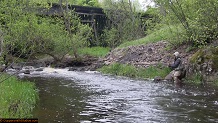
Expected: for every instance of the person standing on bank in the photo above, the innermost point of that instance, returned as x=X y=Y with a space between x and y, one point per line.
x=176 y=69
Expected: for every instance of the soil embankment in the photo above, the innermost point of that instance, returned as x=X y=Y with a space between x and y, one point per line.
x=146 y=55
x=199 y=61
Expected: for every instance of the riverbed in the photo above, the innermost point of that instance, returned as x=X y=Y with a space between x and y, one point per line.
x=92 y=97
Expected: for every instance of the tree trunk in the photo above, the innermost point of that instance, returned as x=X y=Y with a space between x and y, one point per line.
x=67 y=23
x=1 y=43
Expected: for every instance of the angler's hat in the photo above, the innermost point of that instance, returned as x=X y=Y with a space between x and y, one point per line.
x=176 y=53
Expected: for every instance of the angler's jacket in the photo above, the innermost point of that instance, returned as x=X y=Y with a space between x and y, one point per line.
x=176 y=64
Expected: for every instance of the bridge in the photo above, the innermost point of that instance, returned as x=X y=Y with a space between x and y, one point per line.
x=93 y=16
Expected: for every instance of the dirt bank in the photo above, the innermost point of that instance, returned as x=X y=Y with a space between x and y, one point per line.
x=204 y=63
x=146 y=55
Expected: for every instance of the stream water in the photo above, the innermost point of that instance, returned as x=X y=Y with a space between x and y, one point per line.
x=89 y=97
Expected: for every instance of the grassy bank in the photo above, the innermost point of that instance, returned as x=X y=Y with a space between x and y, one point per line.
x=172 y=33
x=17 y=98
x=133 y=72
x=94 y=51
x=168 y=33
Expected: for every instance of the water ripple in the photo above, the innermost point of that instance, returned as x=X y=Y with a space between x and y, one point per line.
x=88 y=97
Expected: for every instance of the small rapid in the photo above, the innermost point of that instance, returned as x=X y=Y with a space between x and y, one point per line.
x=86 y=97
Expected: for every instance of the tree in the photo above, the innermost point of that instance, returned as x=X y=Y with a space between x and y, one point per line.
x=125 y=23
x=198 y=18
x=26 y=33
x=78 y=33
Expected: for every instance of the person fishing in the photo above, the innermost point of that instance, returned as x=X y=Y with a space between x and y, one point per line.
x=177 y=69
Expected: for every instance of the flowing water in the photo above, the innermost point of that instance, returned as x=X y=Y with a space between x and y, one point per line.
x=87 y=97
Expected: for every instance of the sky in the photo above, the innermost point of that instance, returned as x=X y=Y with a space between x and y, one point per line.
x=145 y=3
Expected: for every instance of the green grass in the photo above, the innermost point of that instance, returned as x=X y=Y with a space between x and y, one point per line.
x=195 y=78
x=152 y=72
x=216 y=82
x=17 y=98
x=94 y=51
x=172 y=34
x=133 y=72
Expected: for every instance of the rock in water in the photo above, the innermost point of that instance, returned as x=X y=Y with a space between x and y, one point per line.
x=26 y=72
x=157 y=79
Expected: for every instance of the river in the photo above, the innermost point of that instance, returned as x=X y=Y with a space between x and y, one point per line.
x=90 y=97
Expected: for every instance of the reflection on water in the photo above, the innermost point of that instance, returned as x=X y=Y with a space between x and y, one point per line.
x=80 y=97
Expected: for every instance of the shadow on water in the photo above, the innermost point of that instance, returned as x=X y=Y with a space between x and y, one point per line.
x=60 y=100
x=73 y=97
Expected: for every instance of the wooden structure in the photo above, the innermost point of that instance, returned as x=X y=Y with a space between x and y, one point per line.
x=93 y=16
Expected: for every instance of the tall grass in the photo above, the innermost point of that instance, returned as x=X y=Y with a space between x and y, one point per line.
x=133 y=72
x=17 y=98
x=94 y=51
x=173 y=34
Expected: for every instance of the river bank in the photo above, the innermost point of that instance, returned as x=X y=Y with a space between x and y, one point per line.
x=201 y=63
x=17 y=97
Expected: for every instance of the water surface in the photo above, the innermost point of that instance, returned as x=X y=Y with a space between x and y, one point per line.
x=87 y=97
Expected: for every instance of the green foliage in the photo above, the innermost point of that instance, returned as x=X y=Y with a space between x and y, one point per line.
x=198 y=18
x=111 y=37
x=133 y=72
x=204 y=55
x=204 y=22
x=77 y=32
x=87 y=2
x=197 y=58
x=26 y=33
x=152 y=20
x=152 y=72
x=195 y=78
x=2 y=60
x=81 y=36
x=28 y=36
x=17 y=98
x=172 y=33
x=125 y=23
x=94 y=51
x=216 y=82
